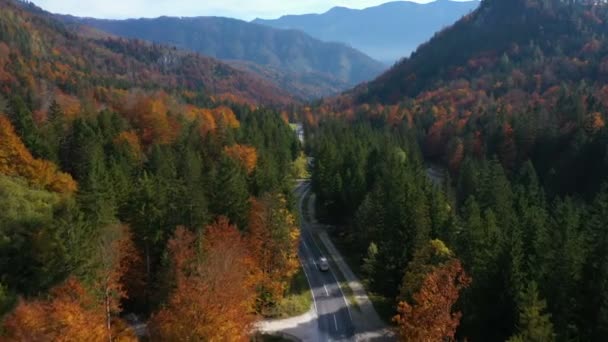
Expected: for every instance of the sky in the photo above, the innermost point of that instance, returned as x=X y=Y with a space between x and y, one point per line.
x=242 y=9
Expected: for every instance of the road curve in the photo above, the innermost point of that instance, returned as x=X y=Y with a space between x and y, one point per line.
x=333 y=314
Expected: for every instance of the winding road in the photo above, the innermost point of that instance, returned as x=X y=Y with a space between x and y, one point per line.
x=334 y=318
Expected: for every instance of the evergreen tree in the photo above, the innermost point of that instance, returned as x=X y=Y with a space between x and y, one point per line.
x=229 y=192
x=370 y=261
x=23 y=121
x=596 y=268
x=534 y=325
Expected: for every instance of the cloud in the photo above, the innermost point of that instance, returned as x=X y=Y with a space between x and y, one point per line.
x=243 y=9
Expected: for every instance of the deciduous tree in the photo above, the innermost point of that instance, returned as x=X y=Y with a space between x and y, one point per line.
x=214 y=289
x=429 y=316
x=273 y=238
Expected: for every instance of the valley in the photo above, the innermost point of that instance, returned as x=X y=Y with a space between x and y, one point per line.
x=399 y=171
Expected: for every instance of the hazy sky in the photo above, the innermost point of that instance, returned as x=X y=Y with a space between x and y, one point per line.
x=243 y=9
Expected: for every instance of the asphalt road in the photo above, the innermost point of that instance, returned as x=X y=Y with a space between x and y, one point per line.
x=334 y=318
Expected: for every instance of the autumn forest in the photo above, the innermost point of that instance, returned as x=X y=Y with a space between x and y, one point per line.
x=465 y=187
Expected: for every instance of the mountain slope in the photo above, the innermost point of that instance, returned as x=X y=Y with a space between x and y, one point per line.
x=531 y=37
x=33 y=42
x=516 y=79
x=398 y=27
x=304 y=66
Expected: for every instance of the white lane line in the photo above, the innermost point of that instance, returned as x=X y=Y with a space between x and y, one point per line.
x=314 y=301
x=335 y=322
x=325 y=288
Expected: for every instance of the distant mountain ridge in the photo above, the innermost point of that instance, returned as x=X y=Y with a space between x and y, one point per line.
x=298 y=63
x=90 y=61
x=398 y=27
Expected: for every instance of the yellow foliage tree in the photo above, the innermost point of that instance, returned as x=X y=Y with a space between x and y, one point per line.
x=274 y=238
x=16 y=160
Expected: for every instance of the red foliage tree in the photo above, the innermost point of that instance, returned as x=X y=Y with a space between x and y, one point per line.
x=430 y=318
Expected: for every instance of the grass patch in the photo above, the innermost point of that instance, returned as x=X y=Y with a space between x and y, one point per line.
x=305 y=210
x=298 y=300
x=385 y=307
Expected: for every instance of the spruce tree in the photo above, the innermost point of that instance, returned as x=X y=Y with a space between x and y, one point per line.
x=534 y=324
x=230 y=196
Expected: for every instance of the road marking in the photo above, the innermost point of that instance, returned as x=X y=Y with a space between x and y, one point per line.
x=304 y=189
x=314 y=301
x=325 y=288
x=335 y=322
x=307 y=277
x=304 y=193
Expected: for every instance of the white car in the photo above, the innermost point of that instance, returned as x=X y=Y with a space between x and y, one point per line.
x=323 y=264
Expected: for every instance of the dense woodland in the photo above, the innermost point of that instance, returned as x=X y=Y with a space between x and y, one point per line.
x=512 y=101
x=127 y=188
x=528 y=252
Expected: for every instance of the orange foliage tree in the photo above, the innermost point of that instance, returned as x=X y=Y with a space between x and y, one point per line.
x=117 y=258
x=16 y=160
x=149 y=113
x=131 y=141
x=455 y=154
x=214 y=288
x=428 y=316
x=274 y=240
x=225 y=116
x=69 y=105
x=247 y=156
x=69 y=314
x=205 y=118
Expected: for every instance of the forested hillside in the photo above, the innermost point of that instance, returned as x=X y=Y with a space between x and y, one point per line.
x=37 y=47
x=512 y=244
x=134 y=179
x=300 y=64
x=516 y=79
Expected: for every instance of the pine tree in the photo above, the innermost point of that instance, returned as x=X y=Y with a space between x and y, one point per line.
x=534 y=325
x=230 y=196
x=596 y=268
x=23 y=121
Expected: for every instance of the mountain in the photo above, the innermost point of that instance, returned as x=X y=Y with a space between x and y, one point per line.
x=387 y=32
x=295 y=61
x=531 y=45
x=515 y=79
x=34 y=43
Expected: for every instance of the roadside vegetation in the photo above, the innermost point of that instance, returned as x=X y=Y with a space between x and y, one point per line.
x=298 y=299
